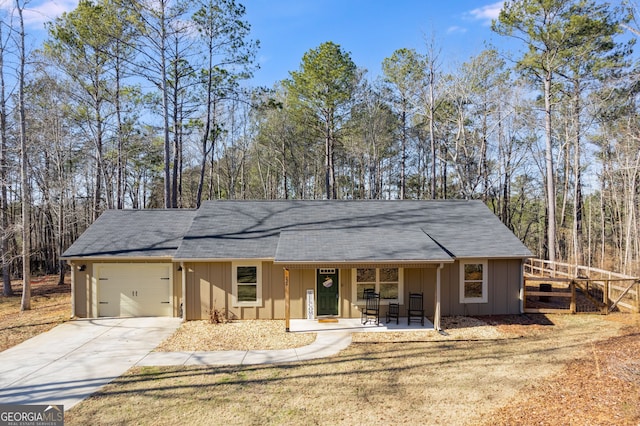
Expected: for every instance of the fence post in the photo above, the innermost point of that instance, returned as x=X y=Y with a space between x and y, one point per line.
x=605 y=297
x=572 y=306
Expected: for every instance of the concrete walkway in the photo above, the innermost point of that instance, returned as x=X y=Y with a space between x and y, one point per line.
x=326 y=344
x=332 y=337
x=75 y=359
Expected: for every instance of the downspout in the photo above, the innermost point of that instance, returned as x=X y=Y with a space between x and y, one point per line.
x=436 y=315
x=184 y=291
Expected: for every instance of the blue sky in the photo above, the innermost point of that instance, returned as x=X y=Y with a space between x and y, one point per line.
x=370 y=30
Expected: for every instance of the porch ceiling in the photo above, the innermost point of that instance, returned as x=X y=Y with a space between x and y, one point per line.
x=395 y=245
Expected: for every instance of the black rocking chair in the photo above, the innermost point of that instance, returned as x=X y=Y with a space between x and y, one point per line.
x=371 y=310
x=415 y=311
x=393 y=313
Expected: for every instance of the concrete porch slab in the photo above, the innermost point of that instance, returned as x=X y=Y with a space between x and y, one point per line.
x=354 y=325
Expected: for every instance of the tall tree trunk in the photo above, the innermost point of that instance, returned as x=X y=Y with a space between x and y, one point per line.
x=25 y=304
x=403 y=153
x=177 y=130
x=484 y=166
x=550 y=175
x=120 y=163
x=97 y=194
x=330 y=172
x=168 y=202
x=176 y=153
x=432 y=136
x=4 y=205
x=577 y=193
x=210 y=115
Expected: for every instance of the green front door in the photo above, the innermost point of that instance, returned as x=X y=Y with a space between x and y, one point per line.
x=328 y=285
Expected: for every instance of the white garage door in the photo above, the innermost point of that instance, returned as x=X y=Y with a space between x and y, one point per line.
x=134 y=290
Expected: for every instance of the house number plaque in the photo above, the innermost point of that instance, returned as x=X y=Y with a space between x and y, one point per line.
x=310 y=306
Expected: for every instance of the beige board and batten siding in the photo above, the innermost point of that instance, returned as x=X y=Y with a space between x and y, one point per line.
x=209 y=287
x=87 y=285
x=504 y=282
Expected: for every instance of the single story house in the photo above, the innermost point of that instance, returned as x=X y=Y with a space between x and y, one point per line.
x=297 y=259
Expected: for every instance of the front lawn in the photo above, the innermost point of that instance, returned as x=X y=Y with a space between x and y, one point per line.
x=50 y=306
x=393 y=379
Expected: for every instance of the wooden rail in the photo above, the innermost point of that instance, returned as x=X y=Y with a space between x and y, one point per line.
x=603 y=290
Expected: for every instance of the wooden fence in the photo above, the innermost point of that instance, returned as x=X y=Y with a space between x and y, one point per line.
x=555 y=287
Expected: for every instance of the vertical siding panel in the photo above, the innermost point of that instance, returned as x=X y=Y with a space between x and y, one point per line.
x=347 y=308
x=204 y=293
x=276 y=291
x=220 y=279
x=297 y=294
x=177 y=289
x=496 y=286
x=90 y=290
x=429 y=276
x=413 y=279
x=420 y=280
x=308 y=281
x=193 y=295
x=502 y=269
x=81 y=291
x=515 y=280
x=449 y=290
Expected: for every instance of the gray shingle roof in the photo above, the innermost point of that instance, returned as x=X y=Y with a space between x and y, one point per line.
x=358 y=245
x=304 y=231
x=336 y=231
x=133 y=234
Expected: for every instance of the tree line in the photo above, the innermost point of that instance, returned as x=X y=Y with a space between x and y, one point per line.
x=147 y=104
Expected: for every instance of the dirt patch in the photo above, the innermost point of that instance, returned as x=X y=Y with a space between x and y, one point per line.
x=601 y=388
x=50 y=306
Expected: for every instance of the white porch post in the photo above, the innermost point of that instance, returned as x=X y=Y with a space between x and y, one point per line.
x=287 y=300
x=436 y=315
x=184 y=291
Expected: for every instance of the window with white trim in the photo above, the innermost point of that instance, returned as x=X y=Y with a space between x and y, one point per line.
x=247 y=283
x=473 y=281
x=386 y=281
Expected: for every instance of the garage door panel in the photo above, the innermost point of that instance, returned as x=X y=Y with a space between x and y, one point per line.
x=134 y=290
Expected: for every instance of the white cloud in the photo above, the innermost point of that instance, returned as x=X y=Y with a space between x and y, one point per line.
x=37 y=13
x=486 y=13
x=456 y=30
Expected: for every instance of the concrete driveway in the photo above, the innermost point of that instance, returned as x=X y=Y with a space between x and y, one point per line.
x=75 y=359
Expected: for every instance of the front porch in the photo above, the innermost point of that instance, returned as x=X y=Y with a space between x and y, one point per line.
x=355 y=325
x=338 y=293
